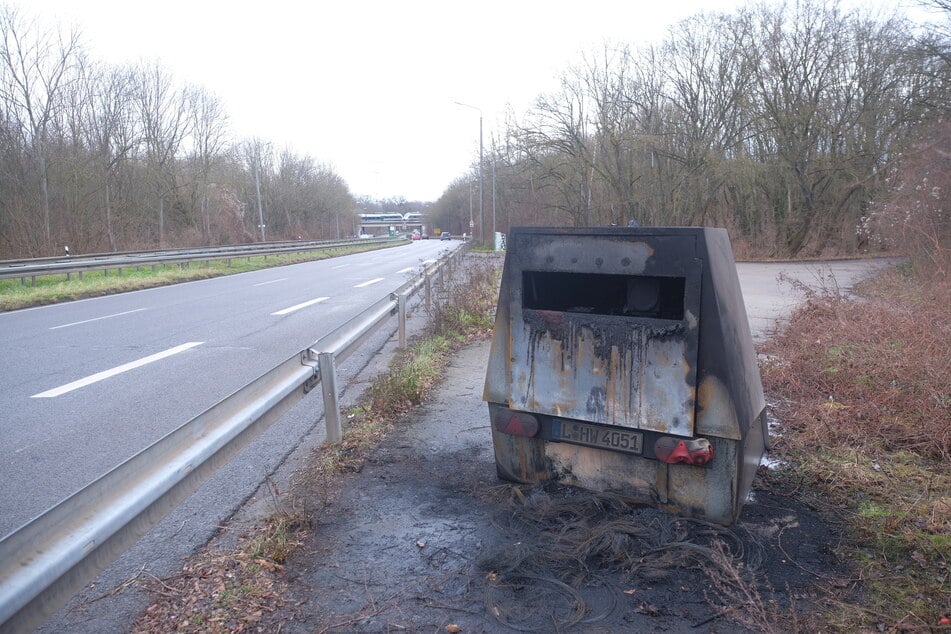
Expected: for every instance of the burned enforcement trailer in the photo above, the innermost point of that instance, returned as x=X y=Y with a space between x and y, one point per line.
x=622 y=361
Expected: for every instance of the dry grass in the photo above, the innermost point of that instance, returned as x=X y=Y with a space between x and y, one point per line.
x=875 y=374
x=864 y=395
x=226 y=591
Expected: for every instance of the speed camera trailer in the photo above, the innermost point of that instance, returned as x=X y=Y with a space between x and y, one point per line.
x=622 y=361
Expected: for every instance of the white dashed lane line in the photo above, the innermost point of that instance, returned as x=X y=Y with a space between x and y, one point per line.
x=271 y=282
x=105 y=374
x=301 y=305
x=379 y=279
x=407 y=269
x=86 y=321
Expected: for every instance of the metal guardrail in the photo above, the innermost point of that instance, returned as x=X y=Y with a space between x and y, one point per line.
x=78 y=264
x=43 y=563
x=109 y=254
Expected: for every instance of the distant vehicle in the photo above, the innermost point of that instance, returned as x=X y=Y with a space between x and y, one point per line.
x=416 y=236
x=425 y=236
x=364 y=236
x=445 y=236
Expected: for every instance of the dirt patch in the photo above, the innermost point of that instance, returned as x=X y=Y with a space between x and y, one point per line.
x=425 y=537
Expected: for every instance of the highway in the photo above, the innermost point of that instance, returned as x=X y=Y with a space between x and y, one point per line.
x=85 y=385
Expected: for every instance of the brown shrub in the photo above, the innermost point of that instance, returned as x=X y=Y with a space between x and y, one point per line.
x=874 y=373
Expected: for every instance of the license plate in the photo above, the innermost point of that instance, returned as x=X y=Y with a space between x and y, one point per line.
x=616 y=439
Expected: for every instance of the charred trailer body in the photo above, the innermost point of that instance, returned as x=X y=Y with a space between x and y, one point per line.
x=622 y=361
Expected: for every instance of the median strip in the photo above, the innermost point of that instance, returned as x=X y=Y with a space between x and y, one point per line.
x=105 y=374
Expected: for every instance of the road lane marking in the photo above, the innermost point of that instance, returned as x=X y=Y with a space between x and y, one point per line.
x=340 y=266
x=105 y=374
x=428 y=261
x=379 y=279
x=270 y=282
x=86 y=321
x=299 y=306
x=407 y=269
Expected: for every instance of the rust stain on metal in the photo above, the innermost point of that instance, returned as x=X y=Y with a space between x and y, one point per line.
x=604 y=370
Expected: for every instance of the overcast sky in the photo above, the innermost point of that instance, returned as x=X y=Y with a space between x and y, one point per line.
x=369 y=87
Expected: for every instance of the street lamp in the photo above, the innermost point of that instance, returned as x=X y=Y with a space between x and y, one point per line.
x=481 y=181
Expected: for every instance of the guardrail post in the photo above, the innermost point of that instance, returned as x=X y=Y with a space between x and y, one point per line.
x=328 y=383
x=401 y=306
x=429 y=291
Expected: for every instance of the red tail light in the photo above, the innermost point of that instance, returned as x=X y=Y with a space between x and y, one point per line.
x=695 y=451
x=515 y=423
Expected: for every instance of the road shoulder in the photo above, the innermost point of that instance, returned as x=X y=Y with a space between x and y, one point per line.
x=423 y=538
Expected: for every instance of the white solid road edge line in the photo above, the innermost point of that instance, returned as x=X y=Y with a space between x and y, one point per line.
x=379 y=279
x=299 y=306
x=105 y=374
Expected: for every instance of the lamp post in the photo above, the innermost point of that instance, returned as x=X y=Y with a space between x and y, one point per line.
x=493 y=196
x=481 y=180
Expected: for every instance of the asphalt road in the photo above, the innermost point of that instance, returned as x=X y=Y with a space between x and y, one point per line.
x=85 y=385
x=770 y=297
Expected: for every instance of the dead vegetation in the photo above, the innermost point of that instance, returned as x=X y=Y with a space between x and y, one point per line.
x=863 y=391
x=556 y=573
x=226 y=591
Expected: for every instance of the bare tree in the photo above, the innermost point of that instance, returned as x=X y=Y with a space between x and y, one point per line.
x=36 y=65
x=615 y=134
x=117 y=135
x=209 y=141
x=707 y=83
x=558 y=143
x=163 y=112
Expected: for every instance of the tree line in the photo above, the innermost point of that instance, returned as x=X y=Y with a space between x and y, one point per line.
x=779 y=121
x=784 y=122
x=106 y=158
